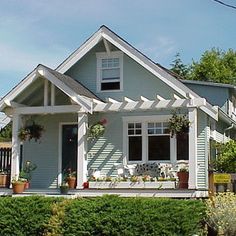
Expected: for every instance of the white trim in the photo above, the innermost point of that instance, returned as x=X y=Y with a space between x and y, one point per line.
x=15 y=146
x=105 y=55
x=192 y=115
x=160 y=73
x=144 y=120
x=52 y=95
x=48 y=109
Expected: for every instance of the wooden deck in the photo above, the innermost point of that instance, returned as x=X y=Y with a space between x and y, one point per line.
x=75 y=193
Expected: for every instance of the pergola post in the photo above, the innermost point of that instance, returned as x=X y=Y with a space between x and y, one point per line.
x=192 y=184
x=81 y=155
x=15 y=162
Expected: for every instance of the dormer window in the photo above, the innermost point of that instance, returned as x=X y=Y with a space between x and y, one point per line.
x=109 y=71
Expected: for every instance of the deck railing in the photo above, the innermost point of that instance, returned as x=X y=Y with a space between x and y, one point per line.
x=5 y=159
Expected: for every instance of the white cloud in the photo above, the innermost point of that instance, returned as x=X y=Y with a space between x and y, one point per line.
x=159 y=49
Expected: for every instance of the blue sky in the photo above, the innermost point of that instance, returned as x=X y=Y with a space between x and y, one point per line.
x=33 y=32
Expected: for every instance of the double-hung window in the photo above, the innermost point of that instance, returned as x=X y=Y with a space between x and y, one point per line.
x=109 y=71
x=158 y=141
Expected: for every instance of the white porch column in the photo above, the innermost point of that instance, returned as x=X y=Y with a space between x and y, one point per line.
x=192 y=183
x=81 y=156
x=15 y=161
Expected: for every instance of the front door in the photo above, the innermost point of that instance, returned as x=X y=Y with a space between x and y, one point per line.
x=69 y=148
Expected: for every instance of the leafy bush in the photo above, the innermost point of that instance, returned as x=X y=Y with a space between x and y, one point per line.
x=112 y=215
x=24 y=216
x=226 y=157
x=108 y=215
x=221 y=213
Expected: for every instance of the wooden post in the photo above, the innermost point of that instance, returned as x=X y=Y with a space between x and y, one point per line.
x=81 y=156
x=15 y=146
x=192 y=148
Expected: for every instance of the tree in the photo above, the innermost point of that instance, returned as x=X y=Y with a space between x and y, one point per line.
x=179 y=68
x=215 y=65
x=6 y=133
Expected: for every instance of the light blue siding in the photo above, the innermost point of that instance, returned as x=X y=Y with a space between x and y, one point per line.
x=214 y=95
x=45 y=153
x=136 y=79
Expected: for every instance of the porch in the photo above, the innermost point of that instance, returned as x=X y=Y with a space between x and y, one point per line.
x=76 y=193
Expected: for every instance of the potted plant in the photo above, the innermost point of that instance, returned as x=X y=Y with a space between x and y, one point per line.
x=97 y=130
x=26 y=172
x=71 y=178
x=64 y=188
x=18 y=185
x=4 y=179
x=178 y=124
x=183 y=176
x=32 y=131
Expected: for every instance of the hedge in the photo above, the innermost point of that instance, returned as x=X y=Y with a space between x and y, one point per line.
x=108 y=215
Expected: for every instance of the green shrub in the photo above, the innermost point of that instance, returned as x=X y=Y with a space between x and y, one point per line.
x=24 y=215
x=112 y=215
x=226 y=157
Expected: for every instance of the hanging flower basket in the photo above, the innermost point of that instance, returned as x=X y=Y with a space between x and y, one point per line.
x=97 y=130
x=178 y=124
x=29 y=132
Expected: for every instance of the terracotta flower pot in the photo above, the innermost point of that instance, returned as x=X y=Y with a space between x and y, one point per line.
x=27 y=184
x=183 y=179
x=4 y=180
x=18 y=187
x=71 y=182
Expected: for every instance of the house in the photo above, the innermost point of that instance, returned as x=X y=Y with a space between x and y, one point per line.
x=107 y=78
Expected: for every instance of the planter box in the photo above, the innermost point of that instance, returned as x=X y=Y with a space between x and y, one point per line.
x=4 y=181
x=132 y=185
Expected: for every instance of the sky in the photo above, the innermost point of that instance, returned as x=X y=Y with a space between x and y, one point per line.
x=46 y=32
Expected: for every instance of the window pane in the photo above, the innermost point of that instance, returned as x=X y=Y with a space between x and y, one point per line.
x=110 y=86
x=131 y=125
x=182 y=147
x=138 y=125
x=150 y=125
x=109 y=74
x=135 y=148
x=158 y=131
x=131 y=132
x=138 y=131
x=158 y=148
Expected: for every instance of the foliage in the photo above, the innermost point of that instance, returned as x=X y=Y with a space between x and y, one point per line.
x=97 y=130
x=27 y=170
x=6 y=133
x=179 y=68
x=25 y=216
x=221 y=213
x=33 y=131
x=108 y=215
x=215 y=65
x=178 y=124
x=112 y=215
x=226 y=157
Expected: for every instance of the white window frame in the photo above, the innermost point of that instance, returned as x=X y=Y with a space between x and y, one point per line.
x=144 y=120
x=104 y=55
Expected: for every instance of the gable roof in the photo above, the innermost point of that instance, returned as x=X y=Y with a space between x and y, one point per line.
x=75 y=90
x=159 y=71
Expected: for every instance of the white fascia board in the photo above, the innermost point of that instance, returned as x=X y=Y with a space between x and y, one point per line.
x=80 y=52
x=18 y=89
x=86 y=103
x=178 y=86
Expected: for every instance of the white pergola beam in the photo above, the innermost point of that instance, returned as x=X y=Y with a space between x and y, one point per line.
x=145 y=105
x=126 y=99
x=176 y=96
x=111 y=100
x=48 y=109
x=144 y=99
x=160 y=97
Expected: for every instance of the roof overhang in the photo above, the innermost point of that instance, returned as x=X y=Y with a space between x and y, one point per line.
x=41 y=71
x=167 y=78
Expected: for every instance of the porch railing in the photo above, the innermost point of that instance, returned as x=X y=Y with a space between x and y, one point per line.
x=5 y=159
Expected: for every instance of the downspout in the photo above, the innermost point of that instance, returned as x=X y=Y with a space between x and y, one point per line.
x=229 y=128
